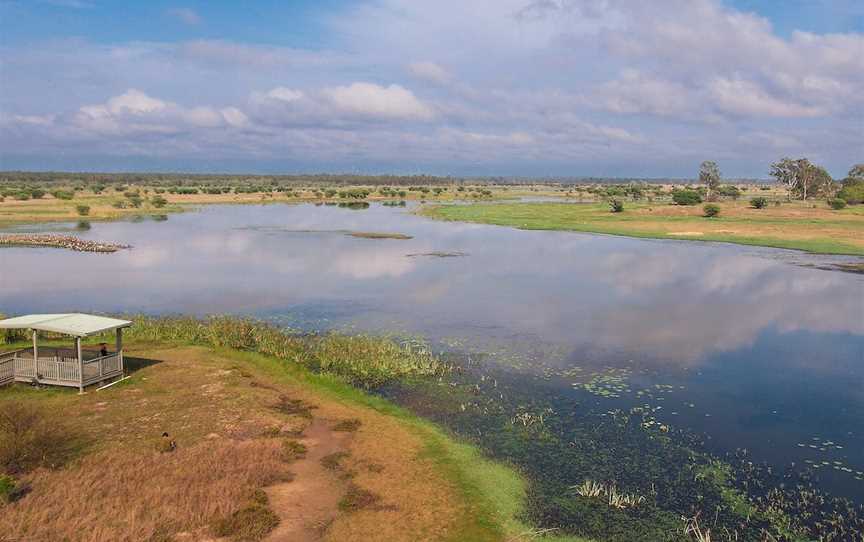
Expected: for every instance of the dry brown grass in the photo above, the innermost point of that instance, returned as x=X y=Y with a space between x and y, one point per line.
x=112 y=496
x=31 y=438
x=225 y=421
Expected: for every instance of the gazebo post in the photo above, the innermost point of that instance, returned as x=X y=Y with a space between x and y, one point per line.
x=35 y=348
x=80 y=365
x=118 y=346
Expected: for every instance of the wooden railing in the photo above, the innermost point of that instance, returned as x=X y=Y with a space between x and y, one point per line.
x=7 y=367
x=58 y=369
x=102 y=368
x=47 y=370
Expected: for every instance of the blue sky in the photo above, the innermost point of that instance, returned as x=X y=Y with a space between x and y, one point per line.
x=478 y=87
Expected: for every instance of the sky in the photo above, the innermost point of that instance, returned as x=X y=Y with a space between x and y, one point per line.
x=613 y=88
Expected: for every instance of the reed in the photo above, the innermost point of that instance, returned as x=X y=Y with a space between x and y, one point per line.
x=609 y=492
x=364 y=360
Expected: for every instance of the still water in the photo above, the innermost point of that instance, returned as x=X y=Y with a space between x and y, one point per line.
x=747 y=347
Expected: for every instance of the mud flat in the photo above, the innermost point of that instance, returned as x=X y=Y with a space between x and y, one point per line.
x=59 y=241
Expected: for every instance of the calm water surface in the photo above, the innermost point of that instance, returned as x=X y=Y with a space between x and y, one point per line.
x=747 y=346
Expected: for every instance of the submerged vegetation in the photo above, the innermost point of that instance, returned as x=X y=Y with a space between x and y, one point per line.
x=622 y=475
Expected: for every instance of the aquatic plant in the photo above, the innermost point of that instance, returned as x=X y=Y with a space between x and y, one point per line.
x=692 y=529
x=363 y=360
x=622 y=500
x=589 y=488
x=668 y=474
x=609 y=492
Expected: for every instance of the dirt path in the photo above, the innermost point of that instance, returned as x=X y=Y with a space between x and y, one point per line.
x=308 y=504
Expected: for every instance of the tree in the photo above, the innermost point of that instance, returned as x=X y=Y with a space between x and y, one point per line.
x=801 y=177
x=853 y=186
x=709 y=175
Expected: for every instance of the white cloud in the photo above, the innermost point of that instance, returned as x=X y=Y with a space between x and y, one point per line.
x=74 y=4
x=612 y=87
x=369 y=99
x=429 y=71
x=186 y=15
x=136 y=112
x=135 y=102
x=746 y=98
x=285 y=94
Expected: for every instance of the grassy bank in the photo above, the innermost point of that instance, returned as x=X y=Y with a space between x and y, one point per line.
x=362 y=360
x=792 y=225
x=233 y=411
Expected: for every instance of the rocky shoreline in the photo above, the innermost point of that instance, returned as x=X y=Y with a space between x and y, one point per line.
x=58 y=241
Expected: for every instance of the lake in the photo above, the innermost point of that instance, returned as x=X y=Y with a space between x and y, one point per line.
x=738 y=347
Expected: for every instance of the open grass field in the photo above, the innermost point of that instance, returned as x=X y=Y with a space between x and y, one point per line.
x=265 y=450
x=810 y=226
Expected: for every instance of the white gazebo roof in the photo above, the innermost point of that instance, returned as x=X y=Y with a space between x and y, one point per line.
x=77 y=325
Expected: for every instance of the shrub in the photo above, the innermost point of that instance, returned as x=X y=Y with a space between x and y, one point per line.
x=253 y=522
x=852 y=192
x=759 y=203
x=357 y=498
x=7 y=488
x=616 y=205
x=348 y=426
x=31 y=439
x=686 y=197
x=83 y=210
x=158 y=202
x=729 y=191
x=22 y=196
x=711 y=210
x=37 y=193
x=135 y=201
x=837 y=203
x=63 y=194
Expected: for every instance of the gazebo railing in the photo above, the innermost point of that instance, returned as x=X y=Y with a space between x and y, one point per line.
x=48 y=370
x=58 y=369
x=7 y=367
x=103 y=367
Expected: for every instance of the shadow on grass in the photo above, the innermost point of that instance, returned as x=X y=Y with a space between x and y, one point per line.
x=134 y=364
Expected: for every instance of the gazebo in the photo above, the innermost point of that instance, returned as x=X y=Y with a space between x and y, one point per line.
x=63 y=366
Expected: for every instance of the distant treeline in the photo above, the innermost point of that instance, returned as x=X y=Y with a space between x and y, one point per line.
x=201 y=179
